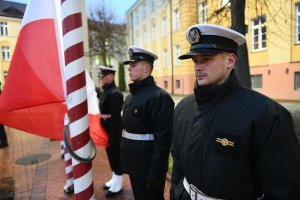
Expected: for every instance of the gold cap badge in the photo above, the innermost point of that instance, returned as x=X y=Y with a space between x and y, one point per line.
x=130 y=52
x=194 y=36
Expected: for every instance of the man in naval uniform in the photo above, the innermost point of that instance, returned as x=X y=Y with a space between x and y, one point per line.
x=147 y=120
x=230 y=142
x=111 y=102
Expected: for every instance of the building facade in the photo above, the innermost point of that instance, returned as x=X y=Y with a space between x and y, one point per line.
x=11 y=15
x=273 y=41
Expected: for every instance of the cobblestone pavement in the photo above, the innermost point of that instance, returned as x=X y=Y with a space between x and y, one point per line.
x=45 y=179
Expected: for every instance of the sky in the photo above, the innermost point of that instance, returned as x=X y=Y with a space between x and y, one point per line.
x=117 y=7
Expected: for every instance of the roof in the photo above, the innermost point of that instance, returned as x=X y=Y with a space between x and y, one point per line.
x=12 y=9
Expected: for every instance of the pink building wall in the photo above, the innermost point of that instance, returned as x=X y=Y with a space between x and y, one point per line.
x=186 y=83
x=278 y=81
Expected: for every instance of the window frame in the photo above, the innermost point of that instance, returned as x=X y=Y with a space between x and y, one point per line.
x=3 y=28
x=164 y=26
x=256 y=81
x=203 y=12
x=165 y=58
x=177 y=84
x=297 y=23
x=5 y=50
x=152 y=6
x=259 y=27
x=153 y=30
x=144 y=10
x=176 y=20
x=176 y=54
x=145 y=35
x=297 y=81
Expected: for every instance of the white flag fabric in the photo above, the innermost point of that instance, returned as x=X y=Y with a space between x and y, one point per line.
x=33 y=97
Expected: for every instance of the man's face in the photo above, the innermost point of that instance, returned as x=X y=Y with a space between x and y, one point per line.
x=213 y=69
x=138 y=70
x=107 y=79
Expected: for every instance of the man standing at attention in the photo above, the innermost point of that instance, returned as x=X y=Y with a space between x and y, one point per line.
x=147 y=120
x=111 y=102
x=230 y=142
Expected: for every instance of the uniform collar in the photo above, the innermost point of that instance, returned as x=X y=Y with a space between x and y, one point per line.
x=212 y=92
x=108 y=86
x=138 y=86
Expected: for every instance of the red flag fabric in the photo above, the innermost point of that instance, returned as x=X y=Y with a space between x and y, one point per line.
x=97 y=132
x=33 y=97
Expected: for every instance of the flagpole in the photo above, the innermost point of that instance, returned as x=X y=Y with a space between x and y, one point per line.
x=77 y=97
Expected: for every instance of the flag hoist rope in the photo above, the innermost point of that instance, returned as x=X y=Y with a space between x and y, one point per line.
x=74 y=155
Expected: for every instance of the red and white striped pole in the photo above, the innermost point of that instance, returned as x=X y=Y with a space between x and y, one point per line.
x=69 y=186
x=77 y=96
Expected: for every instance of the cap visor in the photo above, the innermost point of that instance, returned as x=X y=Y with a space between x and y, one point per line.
x=128 y=62
x=194 y=53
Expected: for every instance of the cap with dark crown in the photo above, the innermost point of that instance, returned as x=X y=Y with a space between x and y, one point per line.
x=139 y=54
x=105 y=71
x=210 y=39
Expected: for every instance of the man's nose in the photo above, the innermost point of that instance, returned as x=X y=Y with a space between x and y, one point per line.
x=198 y=66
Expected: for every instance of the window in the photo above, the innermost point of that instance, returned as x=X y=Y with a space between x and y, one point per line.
x=177 y=84
x=177 y=54
x=165 y=85
x=202 y=12
x=176 y=20
x=165 y=58
x=259 y=33
x=137 y=38
x=224 y=3
x=145 y=36
x=256 y=81
x=297 y=28
x=136 y=17
x=164 y=26
x=152 y=6
x=129 y=19
x=297 y=80
x=3 y=28
x=153 y=32
x=5 y=53
x=144 y=10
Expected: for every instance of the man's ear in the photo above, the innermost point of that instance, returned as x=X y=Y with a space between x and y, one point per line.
x=148 y=68
x=230 y=60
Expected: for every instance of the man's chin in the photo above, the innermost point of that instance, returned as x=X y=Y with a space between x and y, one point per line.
x=202 y=82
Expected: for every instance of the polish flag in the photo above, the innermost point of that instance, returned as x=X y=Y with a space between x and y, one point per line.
x=33 y=97
x=97 y=132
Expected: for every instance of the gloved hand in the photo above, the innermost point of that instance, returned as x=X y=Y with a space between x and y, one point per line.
x=155 y=184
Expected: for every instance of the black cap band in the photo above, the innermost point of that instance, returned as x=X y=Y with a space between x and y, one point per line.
x=216 y=47
x=142 y=56
x=137 y=56
x=214 y=42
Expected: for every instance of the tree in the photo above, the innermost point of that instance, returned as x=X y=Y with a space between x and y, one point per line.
x=235 y=11
x=106 y=38
x=122 y=86
x=238 y=24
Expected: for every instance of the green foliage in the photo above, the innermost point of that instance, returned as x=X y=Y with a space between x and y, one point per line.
x=170 y=166
x=122 y=86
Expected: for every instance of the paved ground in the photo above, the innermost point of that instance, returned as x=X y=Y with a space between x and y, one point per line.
x=45 y=180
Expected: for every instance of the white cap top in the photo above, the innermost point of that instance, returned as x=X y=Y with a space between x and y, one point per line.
x=213 y=29
x=137 y=54
x=101 y=67
x=211 y=38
